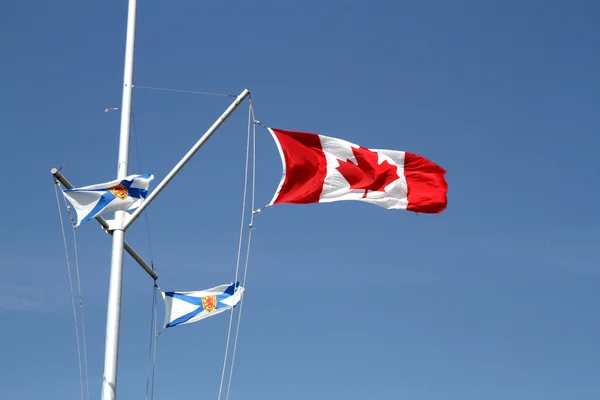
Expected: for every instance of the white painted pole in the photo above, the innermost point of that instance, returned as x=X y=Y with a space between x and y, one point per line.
x=113 y=314
x=187 y=157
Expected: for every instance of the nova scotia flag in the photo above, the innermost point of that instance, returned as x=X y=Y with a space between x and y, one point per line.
x=118 y=195
x=187 y=307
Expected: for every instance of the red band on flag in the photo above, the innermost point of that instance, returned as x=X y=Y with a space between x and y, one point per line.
x=305 y=167
x=427 y=186
x=356 y=173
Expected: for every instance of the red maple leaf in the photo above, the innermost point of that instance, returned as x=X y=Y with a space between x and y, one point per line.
x=367 y=174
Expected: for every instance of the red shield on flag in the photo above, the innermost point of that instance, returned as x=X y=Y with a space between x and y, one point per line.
x=119 y=191
x=209 y=303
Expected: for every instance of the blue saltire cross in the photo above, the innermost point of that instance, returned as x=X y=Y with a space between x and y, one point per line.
x=198 y=302
x=108 y=197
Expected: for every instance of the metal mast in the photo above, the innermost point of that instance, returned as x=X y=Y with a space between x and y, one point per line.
x=121 y=222
x=113 y=314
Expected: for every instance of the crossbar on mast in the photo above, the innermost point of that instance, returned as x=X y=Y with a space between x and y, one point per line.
x=186 y=158
x=62 y=179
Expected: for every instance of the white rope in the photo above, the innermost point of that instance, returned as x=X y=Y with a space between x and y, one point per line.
x=184 y=91
x=150 y=344
x=237 y=266
x=237 y=332
x=155 y=341
x=153 y=336
x=139 y=160
x=71 y=286
x=87 y=384
x=152 y=349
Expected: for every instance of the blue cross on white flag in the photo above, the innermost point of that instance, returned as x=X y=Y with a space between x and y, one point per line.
x=118 y=195
x=186 y=307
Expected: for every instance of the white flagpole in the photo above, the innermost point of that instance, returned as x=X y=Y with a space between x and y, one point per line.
x=113 y=314
x=121 y=223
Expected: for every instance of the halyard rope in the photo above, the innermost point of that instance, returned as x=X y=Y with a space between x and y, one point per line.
x=184 y=91
x=85 y=360
x=237 y=266
x=153 y=336
x=73 y=297
x=237 y=332
x=152 y=346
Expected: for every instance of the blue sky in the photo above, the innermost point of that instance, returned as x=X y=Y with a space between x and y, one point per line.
x=496 y=298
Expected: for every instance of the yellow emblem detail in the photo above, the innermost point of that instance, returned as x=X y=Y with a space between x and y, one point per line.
x=209 y=303
x=119 y=191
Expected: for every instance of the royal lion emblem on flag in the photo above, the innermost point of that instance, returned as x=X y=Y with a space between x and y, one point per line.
x=188 y=307
x=209 y=303
x=119 y=191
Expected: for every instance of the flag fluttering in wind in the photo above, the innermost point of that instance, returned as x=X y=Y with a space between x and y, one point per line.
x=318 y=169
x=118 y=195
x=187 y=307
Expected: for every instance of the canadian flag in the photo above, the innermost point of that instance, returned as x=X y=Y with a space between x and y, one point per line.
x=318 y=169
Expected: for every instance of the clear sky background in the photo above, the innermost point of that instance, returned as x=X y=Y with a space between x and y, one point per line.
x=496 y=298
